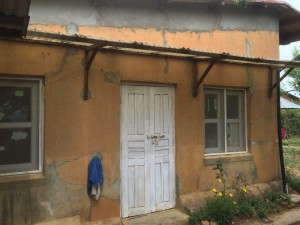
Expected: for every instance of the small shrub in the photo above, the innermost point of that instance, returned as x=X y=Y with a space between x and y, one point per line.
x=241 y=3
x=221 y=209
x=277 y=197
x=291 y=122
x=195 y=216
x=245 y=209
x=224 y=206
x=293 y=180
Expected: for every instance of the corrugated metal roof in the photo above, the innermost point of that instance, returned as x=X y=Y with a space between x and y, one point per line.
x=285 y=104
x=14 y=17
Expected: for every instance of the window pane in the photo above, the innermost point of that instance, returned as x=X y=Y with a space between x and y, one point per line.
x=232 y=106
x=211 y=106
x=233 y=132
x=211 y=135
x=15 y=146
x=15 y=104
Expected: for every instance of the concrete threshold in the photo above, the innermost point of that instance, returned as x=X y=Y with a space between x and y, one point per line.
x=167 y=217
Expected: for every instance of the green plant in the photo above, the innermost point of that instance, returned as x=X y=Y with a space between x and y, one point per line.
x=293 y=180
x=221 y=209
x=260 y=207
x=277 y=197
x=223 y=206
x=195 y=216
x=245 y=209
x=241 y=3
x=291 y=121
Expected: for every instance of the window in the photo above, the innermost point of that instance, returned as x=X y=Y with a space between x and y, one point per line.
x=224 y=121
x=20 y=126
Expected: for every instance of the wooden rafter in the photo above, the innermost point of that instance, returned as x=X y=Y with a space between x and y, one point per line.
x=272 y=86
x=89 y=58
x=196 y=82
x=91 y=46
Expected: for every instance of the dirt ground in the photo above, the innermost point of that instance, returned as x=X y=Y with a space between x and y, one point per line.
x=289 y=217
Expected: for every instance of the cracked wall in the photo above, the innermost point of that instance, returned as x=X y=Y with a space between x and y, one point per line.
x=132 y=21
x=76 y=130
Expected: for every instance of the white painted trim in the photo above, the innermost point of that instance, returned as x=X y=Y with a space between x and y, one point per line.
x=39 y=126
x=224 y=90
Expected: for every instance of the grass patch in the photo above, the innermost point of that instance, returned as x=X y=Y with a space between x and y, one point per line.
x=292 y=157
x=292 y=141
x=291 y=151
x=293 y=180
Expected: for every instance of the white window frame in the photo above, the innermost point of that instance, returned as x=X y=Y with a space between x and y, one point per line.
x=222 y=121
x=36 y=124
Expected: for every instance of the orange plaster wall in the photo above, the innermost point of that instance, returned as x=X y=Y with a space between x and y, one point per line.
x=75 y=130
x=233 y=42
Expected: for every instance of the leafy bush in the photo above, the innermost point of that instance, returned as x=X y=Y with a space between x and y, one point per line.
x=241 y=3
x=293 y=180
x=245 y=209
x=291 y=121
x=224 y=206
x=221 y=209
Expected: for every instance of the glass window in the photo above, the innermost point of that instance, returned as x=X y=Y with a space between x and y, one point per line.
x=224 y=121
x=20 y=123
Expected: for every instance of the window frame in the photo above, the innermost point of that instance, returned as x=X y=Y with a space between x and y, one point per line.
x=223 y=120
x=36 y=126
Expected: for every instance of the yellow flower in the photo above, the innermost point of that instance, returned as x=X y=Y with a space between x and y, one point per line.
x=214 y=190
x=230 y=195
x=220 y=194
x=219 y=180
x=245 y=190
x=234 y=203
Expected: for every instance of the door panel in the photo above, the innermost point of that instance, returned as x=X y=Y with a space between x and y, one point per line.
x=135 y=112
x=148 y=151
x=161 y=124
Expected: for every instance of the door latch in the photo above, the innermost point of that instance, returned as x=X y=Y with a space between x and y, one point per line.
x=155 y=138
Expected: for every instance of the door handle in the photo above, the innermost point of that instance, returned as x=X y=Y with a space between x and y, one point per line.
x=155 y=136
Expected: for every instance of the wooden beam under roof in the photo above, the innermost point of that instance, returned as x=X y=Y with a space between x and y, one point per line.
x=153 y=50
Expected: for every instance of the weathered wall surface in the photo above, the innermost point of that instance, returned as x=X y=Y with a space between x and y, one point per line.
x=195 y=26
x=75 y=130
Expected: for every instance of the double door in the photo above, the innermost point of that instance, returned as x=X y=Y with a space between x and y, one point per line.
x=148 y=149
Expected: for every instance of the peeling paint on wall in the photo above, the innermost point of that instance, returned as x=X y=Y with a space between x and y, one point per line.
x=165 y=41
x=15 y=208
x=47 y=206
x=72 y=29
x=179 y=185
x=251 y=80
x=248 y=48
x=130 y=14
x=166 y=70
x=112 y=77
x=112 y=191
x=69 y=52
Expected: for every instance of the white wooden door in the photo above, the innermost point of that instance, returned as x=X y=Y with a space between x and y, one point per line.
x=148 y=149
